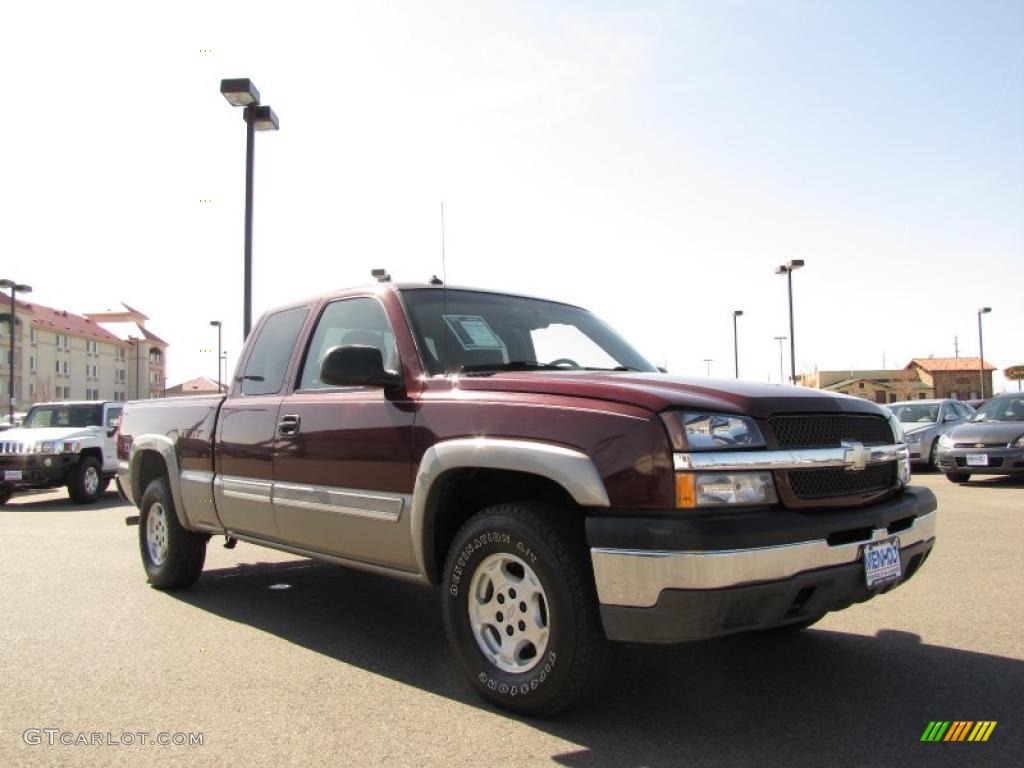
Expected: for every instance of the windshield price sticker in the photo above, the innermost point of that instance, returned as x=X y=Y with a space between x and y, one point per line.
x=473 y=332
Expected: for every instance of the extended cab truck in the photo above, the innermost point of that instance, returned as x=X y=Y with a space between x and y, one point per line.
x=521 y=455
x=65 y=443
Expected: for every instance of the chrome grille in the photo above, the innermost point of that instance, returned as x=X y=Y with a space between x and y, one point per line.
x=818 y=430
x=14 y=448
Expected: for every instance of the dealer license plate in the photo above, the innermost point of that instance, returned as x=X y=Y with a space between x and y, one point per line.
x=977 y=459
x=882 y=562
x=12 y=474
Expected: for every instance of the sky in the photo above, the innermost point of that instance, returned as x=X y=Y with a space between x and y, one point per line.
x=652 y=161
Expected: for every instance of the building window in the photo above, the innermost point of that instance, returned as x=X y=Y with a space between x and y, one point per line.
x=31 y=391
x=57 y=363
x=32 y=363
x=155 y=358
x=120 y=353
x=64 y=367
x=32 y=335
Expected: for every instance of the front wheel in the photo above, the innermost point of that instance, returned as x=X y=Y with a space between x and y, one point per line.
x=172 y=555
x=84 y=486
x=5 y=494
x=520 y=608
x=935 y=457
x=958 y=477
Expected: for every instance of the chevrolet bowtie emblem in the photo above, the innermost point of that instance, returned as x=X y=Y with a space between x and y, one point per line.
x=856 y=456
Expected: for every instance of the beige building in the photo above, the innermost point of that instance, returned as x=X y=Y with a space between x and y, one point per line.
x=922 y=378
x=59 y=355
x=198 y=386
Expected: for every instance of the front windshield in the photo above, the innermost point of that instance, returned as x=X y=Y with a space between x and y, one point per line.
x=61 y=415
x=469 y=331
x=1001 y=409
x=920 y=413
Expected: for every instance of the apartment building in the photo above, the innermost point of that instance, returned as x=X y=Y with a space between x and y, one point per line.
x=923 y=377
x=59 y=355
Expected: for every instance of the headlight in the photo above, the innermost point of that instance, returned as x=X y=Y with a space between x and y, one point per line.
x=711 y=431
x=946 y=441
x=1020 y=442
x=719 y=489
x=48 y=447
x=914 y=438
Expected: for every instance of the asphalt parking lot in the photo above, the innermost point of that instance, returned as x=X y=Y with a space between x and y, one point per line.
x=277 y=660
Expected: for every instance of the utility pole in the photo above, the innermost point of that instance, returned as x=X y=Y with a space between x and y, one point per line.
x=956 y=347
x=709 y=361
x=782 y=372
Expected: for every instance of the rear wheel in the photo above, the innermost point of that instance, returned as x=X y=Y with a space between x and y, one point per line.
x=520 y=608
x=172 y=555
x=84 y=485
x=958 y=477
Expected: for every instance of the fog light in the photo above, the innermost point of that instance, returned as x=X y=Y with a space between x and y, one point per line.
x=718 y=489
x=47 y=461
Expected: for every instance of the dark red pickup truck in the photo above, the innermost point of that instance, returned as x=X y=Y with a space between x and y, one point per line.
x=520 y=454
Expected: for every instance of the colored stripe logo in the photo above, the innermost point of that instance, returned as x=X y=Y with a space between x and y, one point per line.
x=958 y=730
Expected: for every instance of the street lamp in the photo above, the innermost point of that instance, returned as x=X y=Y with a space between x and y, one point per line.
x=709 y=361
x=219 y=353
x=240 y=92
x=981 y=350
x=15 y=289
x=735 y=341
x=787 y=269
x=782 y=371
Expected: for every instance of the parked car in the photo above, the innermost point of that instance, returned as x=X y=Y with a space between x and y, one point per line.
x=975 y=404
x=924 y=421
x=523 y=456
x=6 y=423
x=990 y=443
x=65 y=443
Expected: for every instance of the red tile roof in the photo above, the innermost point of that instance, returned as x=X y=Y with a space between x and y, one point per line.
x=932 y=364
x=200 y=384
x=61 y=321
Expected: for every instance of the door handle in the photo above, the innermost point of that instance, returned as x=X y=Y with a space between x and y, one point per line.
x=288 y=425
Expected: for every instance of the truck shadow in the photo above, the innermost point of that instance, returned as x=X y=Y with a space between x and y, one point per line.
x=814 y=698
x=44 y=501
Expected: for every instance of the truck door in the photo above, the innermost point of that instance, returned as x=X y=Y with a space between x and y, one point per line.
x=246 y=425
x=110 y=417
x=342 y=477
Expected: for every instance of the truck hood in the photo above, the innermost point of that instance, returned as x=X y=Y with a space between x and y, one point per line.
x=988 y=432
x=658 y=391
x=42 y=434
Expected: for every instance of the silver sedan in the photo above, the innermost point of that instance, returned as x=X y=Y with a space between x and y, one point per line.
x=923 y=421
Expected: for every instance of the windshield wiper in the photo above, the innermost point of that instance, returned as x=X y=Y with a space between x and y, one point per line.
x=616 y=368
x=512 y=365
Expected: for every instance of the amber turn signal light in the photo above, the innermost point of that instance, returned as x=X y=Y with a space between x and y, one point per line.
x=686 y=492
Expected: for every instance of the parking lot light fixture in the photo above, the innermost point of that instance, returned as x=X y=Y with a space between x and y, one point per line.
x=981 y=350
x=15 y=288
x=240 y=92
x=735 y=341
x=217 y=323
x=787 y=269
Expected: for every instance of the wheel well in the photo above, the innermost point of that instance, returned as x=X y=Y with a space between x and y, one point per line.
x=95 y=453
x=460 y=493
x=151 y=465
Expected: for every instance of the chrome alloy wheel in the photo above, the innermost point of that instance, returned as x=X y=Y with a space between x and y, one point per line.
x=91 y=480
x=156 y=534
x=508 y=612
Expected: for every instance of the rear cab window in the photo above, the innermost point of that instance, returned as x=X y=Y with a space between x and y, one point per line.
x=272 y=351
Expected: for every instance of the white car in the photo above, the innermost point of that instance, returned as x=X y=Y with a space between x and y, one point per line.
x=68 y=443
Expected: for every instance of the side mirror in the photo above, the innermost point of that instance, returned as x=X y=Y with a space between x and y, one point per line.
x=111 y=431
x=357 y=366
x=951 y=417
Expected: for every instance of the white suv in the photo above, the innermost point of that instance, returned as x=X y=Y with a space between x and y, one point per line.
x=70 y=444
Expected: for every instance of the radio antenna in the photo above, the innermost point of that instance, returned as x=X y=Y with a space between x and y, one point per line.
x=444 y=295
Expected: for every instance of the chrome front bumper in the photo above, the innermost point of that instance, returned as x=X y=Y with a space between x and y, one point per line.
x=637 y=577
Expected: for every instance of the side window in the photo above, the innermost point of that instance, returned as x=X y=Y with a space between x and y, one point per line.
x=264 y=373
x=112 y=415
x=349 y=321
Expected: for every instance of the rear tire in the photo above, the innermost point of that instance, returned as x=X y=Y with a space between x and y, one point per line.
x=958 y=477
x=933 y=460
x=520 y=608
x=172 y=556
x=84 y=485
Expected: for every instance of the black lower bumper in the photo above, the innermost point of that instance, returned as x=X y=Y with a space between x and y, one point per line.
x=34 y=471
x=998 y=461
x=681 y=614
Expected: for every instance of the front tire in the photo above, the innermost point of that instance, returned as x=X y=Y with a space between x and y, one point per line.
x=958 y=477
x=172 y=556
x=84 y=487
x=5 y=495
x=520 y=609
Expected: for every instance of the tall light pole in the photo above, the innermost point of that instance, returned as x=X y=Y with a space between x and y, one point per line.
x=709 y=361
x=782 y=370
x=224 y=361
x=219 y=353
x=981 y=350
x=787 y=269
x=15 y=289
x=240 y=92
x=735 y=341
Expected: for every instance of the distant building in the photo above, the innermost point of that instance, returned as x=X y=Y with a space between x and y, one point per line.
x=922 y=378
x=956 y=377
x=59 y=355
x=199 y=386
